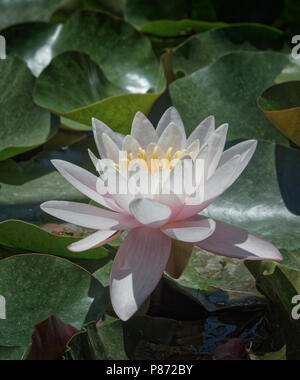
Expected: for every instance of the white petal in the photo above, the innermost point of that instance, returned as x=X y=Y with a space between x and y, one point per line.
x=94 y=159
x=143 y=131
x=86 y=183
x=149 y=212
x=88 y=216
x=172 y=137
x=191 y=230
x=170 y=116
x=216 y=144
x=137 y=269
x=203 y=131
x=235 y=242
x=131 y=145
x=111 y=149
x=193 y=149
x=99 y=128
x=246 y=150
x=96 y=239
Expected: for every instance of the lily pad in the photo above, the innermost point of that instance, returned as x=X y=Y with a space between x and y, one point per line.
x=23 y=125
x=281 y=105
x=131 y=65
x=206 y=48
x=95 y=96
x=25 y=185
x=15 y=11
x=37 y=286
x=104 y=342
x=31 y=238
x=280 y=283
x=229 y=89
x=141 y=12
x=115 y=7
x=264 y=200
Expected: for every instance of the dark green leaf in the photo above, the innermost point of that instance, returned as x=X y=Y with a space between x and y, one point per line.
x=30 y=238
x=229 y=89
x=23 y=125
x=15 y=11
x=36 y=286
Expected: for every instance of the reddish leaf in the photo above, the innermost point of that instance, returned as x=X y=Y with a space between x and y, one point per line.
x=50 y=338
x=234 y=349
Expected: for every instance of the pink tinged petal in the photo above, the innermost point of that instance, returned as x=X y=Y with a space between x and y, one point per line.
x=203 y=131
x=235 y=242
x=143 y=130
x=173 y=137
x=88 y=216
x=99 y=128
x=191 y=230
x=216 y=144
x=86 y=183
x=137 y=269
x=95 y=240
x=150 y=213
x=170 y=116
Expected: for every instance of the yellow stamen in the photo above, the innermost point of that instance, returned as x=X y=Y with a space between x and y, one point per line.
x=169 y=153
x=154 y=154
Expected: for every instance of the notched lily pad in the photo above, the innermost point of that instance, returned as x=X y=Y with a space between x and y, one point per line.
x=23 y=125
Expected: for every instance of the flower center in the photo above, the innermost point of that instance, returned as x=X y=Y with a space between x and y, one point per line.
x=152 y=162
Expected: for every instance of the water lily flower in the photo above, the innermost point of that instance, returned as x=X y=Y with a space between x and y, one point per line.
x=156 y=222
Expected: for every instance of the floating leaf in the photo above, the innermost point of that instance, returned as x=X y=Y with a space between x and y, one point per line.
x=98 y=343
x=280 y=283
x=25 y=185
x=264 y=201
x=15 y=11
x=281 y=105
x=229 y=89
x=115 y=7
x=30 y=238
x=206 y=48
x=142 y=12
x=23 y=125
x=36 y=286
x=73 y=86
x=49 y=339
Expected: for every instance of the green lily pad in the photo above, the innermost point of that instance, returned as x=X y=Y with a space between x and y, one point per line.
x=105 y=342
x=172 y=28
x=36 y=286
x=229 y=89
x=15 y=11
x=115 y=7
x=95 y=96
x=264 y=200
x=13 y=353
x=281 y=105
x=25 y=185
x=130 y=65
x=23 y=125
x=141 y=12
x=206 y=48
x=31 y=238
x=280 y=283
x=206 y=270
